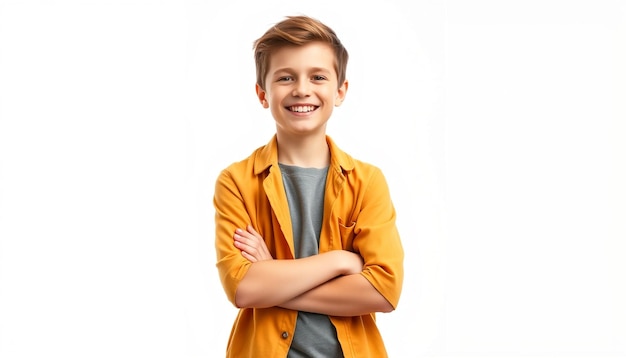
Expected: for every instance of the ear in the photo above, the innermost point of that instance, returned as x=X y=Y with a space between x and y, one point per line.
x=341 y=93
x=262 y=96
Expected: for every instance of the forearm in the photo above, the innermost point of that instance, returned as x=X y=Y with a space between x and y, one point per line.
x=273 y=282
x=350 y=295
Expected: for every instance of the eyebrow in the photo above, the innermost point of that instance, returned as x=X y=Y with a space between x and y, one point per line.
x=312 y=69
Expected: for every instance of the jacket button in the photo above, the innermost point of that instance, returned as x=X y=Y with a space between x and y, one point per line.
x=285 y=335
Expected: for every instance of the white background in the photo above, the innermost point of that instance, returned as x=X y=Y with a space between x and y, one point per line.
x=500 y=126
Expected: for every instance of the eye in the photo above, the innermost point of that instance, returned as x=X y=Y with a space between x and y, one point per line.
x=285 y=79
x=319 y=78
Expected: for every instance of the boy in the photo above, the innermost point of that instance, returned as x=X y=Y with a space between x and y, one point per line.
x=306 y=241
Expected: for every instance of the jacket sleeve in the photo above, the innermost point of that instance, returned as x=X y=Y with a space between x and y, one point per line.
x=230 y=213
x=377 y=239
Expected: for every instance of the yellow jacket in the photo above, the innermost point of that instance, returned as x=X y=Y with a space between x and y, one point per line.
x=358 y=216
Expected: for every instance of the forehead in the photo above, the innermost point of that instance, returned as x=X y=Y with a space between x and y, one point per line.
x=312 y=55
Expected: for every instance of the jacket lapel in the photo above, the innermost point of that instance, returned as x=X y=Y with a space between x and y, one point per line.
x=275 y=192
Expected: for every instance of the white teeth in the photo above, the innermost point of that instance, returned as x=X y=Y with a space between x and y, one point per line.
x=302 y=108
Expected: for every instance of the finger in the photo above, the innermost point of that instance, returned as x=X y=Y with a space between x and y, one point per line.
x=252 y=256
x=252 y=243
x=252 y=249
x=250 y=236
x=240 y=245
x=248 y=256
x=251 y=230
x=260 y=244
x=248 y=240
x=243 y=233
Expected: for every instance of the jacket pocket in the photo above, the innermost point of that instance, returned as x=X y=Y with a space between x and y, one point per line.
x=346 y=232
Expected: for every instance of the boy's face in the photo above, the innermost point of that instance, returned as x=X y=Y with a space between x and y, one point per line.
x=301 y=89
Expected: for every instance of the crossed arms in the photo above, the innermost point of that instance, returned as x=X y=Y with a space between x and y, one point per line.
x=361 y=275
x=329 y=283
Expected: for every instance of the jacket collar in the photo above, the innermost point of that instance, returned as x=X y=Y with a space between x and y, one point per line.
x=268 y=155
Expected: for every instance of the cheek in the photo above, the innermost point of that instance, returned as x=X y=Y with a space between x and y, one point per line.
x=330 y=94
x=275 y=103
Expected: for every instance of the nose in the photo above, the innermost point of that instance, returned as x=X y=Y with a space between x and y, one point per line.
x=301 y=89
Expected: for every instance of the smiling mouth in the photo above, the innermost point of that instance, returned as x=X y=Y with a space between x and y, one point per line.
x=302 y=109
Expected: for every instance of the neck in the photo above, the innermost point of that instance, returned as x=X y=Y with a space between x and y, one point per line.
x=307 y=152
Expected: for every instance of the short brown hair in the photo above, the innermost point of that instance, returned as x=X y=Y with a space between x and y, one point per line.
x=297 y=31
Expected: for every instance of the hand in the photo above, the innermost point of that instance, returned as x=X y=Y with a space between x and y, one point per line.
x=251 y=244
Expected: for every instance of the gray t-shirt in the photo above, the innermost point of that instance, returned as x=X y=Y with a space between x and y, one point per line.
x=315 y=335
